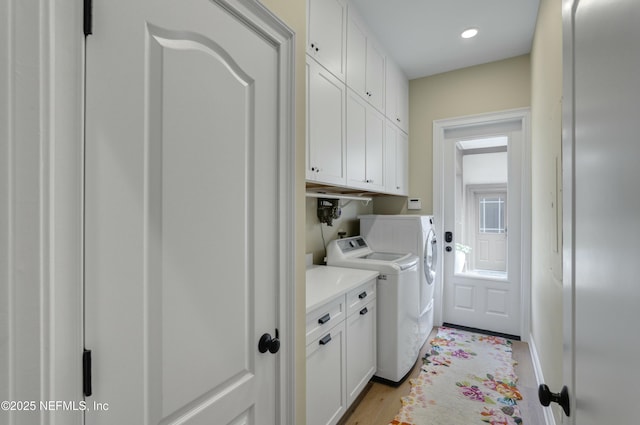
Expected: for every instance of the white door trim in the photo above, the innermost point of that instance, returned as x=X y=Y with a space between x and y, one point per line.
x=568 y=216
x=439 y=128
x=285 y=38
x=281 y=35
x=40 y=216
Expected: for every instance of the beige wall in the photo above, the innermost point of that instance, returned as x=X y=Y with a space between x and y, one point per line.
x=484 y=88
x=546 y=128
x=293 y=13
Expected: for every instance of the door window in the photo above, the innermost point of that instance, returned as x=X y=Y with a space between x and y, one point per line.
x=491 y=214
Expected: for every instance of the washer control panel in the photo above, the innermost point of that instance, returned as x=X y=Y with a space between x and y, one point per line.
x=351 y=244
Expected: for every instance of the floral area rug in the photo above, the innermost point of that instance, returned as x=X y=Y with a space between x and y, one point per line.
x=466 y=379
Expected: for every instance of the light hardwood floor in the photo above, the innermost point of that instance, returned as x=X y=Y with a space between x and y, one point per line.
x=379 y=404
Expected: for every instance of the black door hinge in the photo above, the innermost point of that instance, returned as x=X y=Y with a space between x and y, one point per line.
x=86 y=373
x=88 y=17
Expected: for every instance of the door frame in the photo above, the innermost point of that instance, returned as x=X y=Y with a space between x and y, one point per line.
x=51 y=59
x=439 y=128
x=41 y=152
x=568 y=217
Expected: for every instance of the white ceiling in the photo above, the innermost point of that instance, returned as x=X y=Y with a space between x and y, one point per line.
x=423 y=36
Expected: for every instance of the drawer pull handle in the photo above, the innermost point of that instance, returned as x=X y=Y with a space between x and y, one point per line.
x=364 y=311
x=324 y=319
x=325 y=340
x=363 y=295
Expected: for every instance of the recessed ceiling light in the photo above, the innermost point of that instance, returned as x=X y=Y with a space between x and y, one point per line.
x=469 y=33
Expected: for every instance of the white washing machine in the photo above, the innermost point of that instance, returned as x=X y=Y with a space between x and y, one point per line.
x=414 y=234
x=397 y=303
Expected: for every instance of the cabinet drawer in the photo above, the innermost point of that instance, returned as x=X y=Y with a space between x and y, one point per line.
x=324 y=318
x=360 y=296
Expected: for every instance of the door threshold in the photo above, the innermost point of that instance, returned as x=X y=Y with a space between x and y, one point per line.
x=482 y=331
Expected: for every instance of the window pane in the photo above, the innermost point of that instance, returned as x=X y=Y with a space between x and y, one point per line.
x=491 y=214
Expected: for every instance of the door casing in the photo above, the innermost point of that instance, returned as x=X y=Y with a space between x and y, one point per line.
x=42 y=141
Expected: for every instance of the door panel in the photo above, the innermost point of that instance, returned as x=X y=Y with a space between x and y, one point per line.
x=181 y=149
x=193 y=263
x=601 y=196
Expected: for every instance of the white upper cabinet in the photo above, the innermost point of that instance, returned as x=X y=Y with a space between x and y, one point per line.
x=325 y=126
x=365 y=62
x=365 y=144
x=396 y=160
x=327 y=34
x=397 y=96
x=354 y=92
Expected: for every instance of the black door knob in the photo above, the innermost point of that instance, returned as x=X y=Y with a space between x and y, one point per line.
x=275 y=344
x=267 y=343
x=546 y=397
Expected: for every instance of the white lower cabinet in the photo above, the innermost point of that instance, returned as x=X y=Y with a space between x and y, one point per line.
x=326 y=364
x=341 y=353
x=361 y=350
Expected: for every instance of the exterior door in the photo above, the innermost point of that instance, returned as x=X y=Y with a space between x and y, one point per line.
x=185 y=212
x=601 y=204
x=476 y=293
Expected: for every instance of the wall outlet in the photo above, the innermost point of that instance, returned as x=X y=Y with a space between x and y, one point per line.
x=414 y=204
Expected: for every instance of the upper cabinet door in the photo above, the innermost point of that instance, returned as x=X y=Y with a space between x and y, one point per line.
x=375 y=74
x=402 y=163
x=326 y=34
x=397 y=96
x=365 y=62
x=325 y=126
x=365 y=144
x=403 y=102
x=396 y=160
x=357 y=55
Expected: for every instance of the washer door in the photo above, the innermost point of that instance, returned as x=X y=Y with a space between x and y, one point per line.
x=430 y=257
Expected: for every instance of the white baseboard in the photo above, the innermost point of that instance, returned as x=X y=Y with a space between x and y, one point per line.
x=548 y=413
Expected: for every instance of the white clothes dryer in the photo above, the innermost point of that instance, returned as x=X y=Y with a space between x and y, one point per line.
x=414 y=234
x=397 y=303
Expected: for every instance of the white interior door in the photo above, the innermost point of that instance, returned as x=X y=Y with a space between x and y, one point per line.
x=601 y=204
x=479 y=290
x=184 y=213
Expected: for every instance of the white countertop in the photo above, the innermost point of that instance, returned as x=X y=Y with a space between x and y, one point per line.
x=325 y=283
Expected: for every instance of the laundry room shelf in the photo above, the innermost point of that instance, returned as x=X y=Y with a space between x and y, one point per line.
x=365 y=199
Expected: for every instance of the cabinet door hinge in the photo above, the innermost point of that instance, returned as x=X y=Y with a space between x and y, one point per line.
x=88 y=17
x=86 y=373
